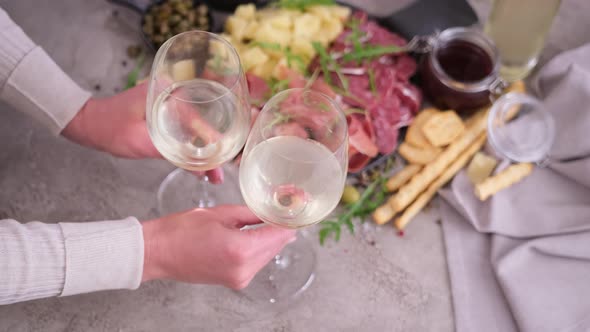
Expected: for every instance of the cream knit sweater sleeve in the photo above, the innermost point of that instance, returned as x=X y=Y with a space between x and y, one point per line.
x=40 y=260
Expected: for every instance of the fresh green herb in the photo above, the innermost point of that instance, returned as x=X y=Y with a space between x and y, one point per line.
x=328 y=65
x=277 y=86
x=134 y=74
x=370 y=199
x=292 y=58
x=323 y=107
x=303 y=4
x=355 y=36
x=372 y=84
x=345 y=93
x=295 y=59
x=324 y=60
x=353 y=110
x=371 y=51
x=312 y=78
x=268 y=46
x=279 y=118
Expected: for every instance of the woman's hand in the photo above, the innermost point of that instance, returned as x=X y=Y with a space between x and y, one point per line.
x=206 y=246
x=117 y=125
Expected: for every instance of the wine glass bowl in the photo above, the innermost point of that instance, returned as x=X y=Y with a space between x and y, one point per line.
x=294 y=164
x=198 y=113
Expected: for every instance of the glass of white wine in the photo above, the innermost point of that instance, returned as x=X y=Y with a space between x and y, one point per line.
x=198 y=115
x=292 y=175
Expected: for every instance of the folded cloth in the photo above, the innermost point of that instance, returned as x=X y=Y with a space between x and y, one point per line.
x=521 y=259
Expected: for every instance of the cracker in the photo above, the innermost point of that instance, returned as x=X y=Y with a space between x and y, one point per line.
x=443 y=128
x=414 y=134
x=419 y=156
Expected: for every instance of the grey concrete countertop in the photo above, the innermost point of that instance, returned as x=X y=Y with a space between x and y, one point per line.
x=373 y=281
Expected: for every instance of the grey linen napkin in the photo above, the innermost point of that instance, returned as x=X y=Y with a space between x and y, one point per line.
x=521 y=259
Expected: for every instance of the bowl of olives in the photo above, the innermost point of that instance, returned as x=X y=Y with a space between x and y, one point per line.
x=166 y=18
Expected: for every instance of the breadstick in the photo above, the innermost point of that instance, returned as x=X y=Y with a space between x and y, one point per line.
x=400 y=178
x=448 y=174
x=430 y=172
x=383 y=214
x=503 y=180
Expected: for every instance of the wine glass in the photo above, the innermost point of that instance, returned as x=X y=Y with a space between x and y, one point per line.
x=292 y=175
x=198 y=115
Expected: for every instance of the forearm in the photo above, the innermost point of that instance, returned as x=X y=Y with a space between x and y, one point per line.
x=31 y=82
x=40 y=260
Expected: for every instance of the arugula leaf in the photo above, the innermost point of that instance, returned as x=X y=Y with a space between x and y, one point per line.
x=302 y=4
x=372 y=84
x=328 y=65
x=353 y=110
x=132 y=76
x=370 y=199
x=371 y=51
x=324 y=59
x=268 y=46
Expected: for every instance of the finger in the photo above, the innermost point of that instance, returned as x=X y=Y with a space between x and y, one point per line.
x=215 y=175
x=236 y=216
x=269 y=241
x=138 y=144
x=191 y=121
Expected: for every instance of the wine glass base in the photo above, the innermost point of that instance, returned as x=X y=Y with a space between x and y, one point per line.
x=285 y=277
x=182 y=190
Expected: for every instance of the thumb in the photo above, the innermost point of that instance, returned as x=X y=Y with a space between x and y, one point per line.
x=270 y=239
x=236 y=216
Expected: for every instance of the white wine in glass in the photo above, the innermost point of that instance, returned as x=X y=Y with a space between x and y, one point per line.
x=198 y=115
x=292 y=175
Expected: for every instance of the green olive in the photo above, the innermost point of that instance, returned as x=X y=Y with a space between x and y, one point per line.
x=350 y=195
x=181 y=8
x=174 y=19
x=202 y=9
x=164 y=28
x=184 y=25
x=203 y=20
x=158 y=39
x=148 y=19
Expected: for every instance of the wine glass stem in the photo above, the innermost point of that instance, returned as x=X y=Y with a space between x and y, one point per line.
x=201 y=195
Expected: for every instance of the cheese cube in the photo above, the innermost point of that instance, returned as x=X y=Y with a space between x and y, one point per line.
x=267 y=34
x=322 y=12
x=246 y=11
x=265 y=69
x=281 y=21
x=332 y=28
x=306 y=26
x=183 y=70
x=341 y=12
x=252 y=57
x=480 y=167
x=250 y=29
x=236 y=26
x=303 y=48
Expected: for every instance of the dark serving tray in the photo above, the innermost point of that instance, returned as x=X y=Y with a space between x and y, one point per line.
x=421 y=18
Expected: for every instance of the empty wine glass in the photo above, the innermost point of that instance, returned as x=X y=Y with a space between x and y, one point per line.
x=292 y=175
x=198 y=115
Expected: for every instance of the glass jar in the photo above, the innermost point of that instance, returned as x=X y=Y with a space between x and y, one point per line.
x=461 y=70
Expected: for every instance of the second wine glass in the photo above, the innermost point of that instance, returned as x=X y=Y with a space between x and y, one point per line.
x=292 y=175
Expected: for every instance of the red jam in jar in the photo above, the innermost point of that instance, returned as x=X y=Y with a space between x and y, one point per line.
x=460 y=70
